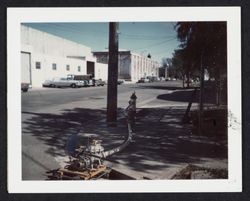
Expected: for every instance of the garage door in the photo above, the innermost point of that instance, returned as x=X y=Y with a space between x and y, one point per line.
x=25 y=67
x=91 y=68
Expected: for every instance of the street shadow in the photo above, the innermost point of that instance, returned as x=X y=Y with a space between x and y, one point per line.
x=181 y=94
x=160 y=139
x=188 y=95
x=56 y=129
x=157 y=87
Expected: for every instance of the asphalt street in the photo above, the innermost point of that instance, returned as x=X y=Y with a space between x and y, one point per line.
x=43 y=109
x=162 y=143
x=44 y=98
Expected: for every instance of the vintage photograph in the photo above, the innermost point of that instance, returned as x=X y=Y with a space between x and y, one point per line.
x=134 y=100
x=125 y=100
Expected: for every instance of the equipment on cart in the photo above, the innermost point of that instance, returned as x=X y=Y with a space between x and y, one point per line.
x=87 y=162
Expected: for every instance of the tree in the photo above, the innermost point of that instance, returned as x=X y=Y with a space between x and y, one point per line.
x=206 y=41
x=167 y=65
x=205 y=46
x=178 y=65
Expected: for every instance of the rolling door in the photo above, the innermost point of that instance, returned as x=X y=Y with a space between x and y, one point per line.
x=91 y=68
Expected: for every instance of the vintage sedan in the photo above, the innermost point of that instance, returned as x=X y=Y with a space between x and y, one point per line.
x=143 y=80
x=99 y=82
x=120 y=81
x=63 y=82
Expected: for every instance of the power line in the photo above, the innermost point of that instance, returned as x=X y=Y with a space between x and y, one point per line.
x=159 y=52
x=145 y=36
x=127 y=36
x=135 y=35
x=74 y=30
x=78 y=31
x=155 y=44
x=137 y=38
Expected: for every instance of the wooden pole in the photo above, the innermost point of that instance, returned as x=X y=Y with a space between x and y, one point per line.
x=112 y=73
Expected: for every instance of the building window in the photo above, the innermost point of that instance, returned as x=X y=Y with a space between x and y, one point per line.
x=67 y=67
x=53 y=66
x=38 y=65
x=79 y=68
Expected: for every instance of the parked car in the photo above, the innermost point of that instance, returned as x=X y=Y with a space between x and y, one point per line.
x=24 y=87
x=91 y=82
x=49 y=83
x=85 y=83
x=76 y=83
x=63 y=82
x=189 y=81
x=99 y=82
x=120 y=81
x=84 y=79
x=143 y=80
x=153 y=79
x=162 y=79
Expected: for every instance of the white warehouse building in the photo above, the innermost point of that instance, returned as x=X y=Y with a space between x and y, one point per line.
x=45 y=56
x=131 y=66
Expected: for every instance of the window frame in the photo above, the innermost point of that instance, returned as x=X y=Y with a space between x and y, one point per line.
x=54 y=66
x=38 y=62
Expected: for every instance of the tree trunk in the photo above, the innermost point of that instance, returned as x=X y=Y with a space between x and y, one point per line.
x=201 y=97
x=183 y=81
x=188 y=79
x=218 y=89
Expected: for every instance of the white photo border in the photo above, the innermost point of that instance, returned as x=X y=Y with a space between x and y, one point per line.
x=16 y=16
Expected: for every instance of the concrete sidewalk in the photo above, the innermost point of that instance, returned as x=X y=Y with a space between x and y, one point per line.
x=162 y=144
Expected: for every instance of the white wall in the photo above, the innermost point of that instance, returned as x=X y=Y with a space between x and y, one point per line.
x=45 y=43
x=142 y=66
x=124 y=63
x=48 y=49
x=101 y=71
x=133 y=66
x=46 y=72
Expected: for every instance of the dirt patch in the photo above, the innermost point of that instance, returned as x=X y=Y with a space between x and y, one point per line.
x=214 y=122
x=197 y=172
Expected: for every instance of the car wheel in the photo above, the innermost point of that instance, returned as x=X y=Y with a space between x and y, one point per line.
x=24 y=90
x=52 y=85
x=73 y=85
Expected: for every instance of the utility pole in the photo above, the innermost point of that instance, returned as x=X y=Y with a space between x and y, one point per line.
x=112 y=73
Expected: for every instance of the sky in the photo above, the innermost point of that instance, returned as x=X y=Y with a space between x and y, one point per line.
x=155 y=38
